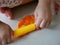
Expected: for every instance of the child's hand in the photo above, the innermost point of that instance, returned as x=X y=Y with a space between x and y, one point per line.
x=42 y=16
x=6 y=33
x=7 y=12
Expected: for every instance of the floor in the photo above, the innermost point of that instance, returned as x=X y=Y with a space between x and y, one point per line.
x=47 y=36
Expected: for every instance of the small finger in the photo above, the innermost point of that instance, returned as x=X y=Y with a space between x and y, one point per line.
x=43 y=23
x=9 y=13
x=38 y=22
x=3 y=41
x=48 y=23
x=11 y=35
x=35 y=15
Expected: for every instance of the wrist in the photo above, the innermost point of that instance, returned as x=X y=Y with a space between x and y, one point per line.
x=44 y=2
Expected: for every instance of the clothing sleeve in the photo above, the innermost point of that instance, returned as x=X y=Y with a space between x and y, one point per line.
x=10 y=3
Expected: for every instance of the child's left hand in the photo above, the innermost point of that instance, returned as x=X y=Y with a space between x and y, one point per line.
x=42 y=16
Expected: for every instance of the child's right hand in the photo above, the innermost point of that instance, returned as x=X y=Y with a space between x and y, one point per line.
x=42 y=16
x=6 y=33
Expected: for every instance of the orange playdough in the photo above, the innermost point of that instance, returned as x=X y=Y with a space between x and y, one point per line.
x=26 y=21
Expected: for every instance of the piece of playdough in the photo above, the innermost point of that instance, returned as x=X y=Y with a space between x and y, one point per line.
x=26 y=21
x=25 y=26
x=24 y=30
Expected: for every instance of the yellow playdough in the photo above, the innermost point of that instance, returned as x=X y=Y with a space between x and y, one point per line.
x=24 y=30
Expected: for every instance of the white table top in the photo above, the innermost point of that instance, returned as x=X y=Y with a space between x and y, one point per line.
x=47 y=36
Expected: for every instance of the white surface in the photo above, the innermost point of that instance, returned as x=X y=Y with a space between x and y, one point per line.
x=47 y=36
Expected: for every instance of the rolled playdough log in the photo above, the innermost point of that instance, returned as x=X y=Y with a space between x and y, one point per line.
x=24 y=30
x=25 y=25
